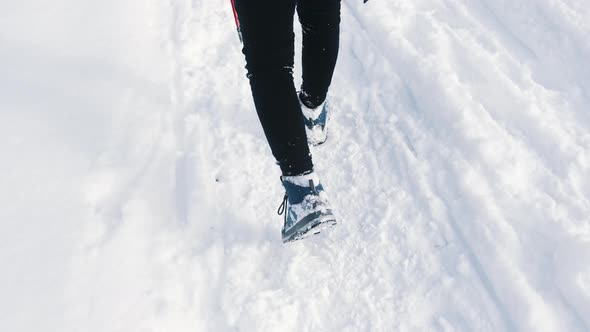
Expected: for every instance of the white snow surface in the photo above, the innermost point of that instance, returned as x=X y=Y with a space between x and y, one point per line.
x=138 y=193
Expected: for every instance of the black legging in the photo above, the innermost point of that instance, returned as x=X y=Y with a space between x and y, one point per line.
x=267 y=31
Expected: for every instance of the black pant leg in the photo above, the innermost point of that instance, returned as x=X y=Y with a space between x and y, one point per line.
x=267 y=31
x=320 y=21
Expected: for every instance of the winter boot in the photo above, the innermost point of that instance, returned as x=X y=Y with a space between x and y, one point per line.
x=305 y=206
x=316 y=121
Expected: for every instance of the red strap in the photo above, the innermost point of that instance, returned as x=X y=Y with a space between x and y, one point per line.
x=233 y=5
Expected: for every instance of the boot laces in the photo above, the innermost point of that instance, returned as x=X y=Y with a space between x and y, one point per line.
x=283 y=207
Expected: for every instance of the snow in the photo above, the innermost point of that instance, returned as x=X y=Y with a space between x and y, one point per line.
x=138 y=192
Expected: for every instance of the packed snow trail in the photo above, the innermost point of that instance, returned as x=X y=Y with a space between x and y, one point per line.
x=140 y=195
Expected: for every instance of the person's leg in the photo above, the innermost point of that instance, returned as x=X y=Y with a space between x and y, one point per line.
x=267 y=31
x=320 y=21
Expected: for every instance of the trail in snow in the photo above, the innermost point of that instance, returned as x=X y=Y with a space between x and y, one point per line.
x=457 y=162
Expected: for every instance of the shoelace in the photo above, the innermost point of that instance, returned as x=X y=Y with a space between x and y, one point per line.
x=283 y=207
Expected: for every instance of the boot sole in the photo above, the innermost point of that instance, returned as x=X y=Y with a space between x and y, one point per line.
x=313 y=228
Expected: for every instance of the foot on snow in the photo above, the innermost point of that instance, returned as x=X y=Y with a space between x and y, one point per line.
x=306 y=207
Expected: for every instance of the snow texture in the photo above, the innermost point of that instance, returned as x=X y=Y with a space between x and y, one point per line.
x=138 y=192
